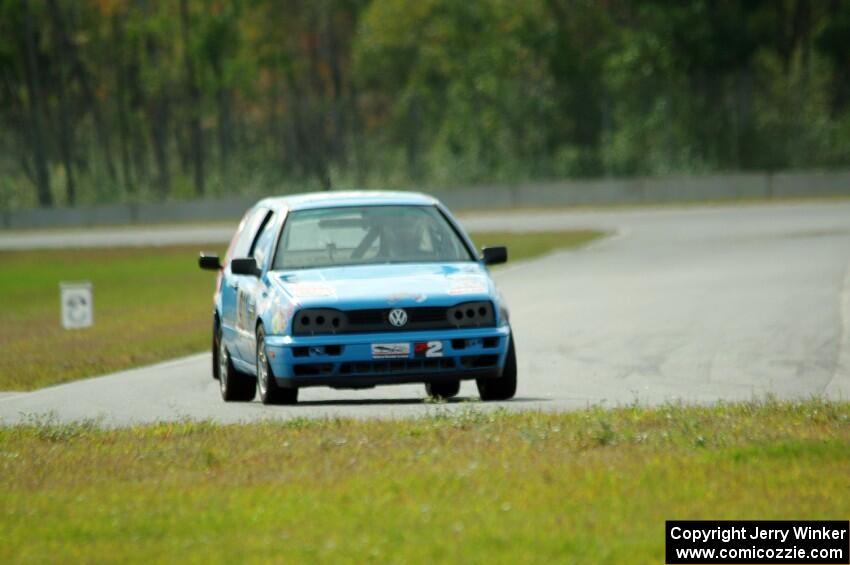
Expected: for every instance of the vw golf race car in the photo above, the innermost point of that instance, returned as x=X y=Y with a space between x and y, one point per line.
x=353 y=290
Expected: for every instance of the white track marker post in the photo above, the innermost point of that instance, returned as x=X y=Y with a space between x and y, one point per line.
x=77 y=305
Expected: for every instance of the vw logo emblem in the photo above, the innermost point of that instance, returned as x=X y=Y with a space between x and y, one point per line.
x=398 y=317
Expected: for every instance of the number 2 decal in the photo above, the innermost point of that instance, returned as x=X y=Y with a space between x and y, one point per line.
x=428 y=349
x=435 y=349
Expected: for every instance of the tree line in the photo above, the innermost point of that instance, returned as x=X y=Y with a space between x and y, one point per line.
x=135 y=100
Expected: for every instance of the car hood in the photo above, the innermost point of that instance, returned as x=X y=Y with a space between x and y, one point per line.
x=377 y=286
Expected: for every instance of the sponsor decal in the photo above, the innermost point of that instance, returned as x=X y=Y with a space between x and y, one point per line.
x=390 y=350
x=461 y=289
x=466 y=284
x=428 y=349
x=399 y=296
x=311 y=290
x=281 y=317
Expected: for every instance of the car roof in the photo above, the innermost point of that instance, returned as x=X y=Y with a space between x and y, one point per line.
x=336 y=198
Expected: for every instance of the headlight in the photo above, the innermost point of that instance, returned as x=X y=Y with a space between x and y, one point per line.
x=472 y=314
x=318 y=321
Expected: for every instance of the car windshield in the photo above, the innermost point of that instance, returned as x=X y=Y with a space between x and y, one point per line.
x=368 y=235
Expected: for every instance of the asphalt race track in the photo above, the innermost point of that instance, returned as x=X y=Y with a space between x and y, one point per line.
x=693 y=304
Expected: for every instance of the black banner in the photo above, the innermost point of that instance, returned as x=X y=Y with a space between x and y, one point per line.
x=757 y=541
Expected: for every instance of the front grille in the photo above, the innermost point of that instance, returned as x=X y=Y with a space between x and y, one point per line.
x=397 y=366
x=313 y=369
x=377 y=319
x=322 y=321
x=366 y=317
x=420 y=315
x=479 y=361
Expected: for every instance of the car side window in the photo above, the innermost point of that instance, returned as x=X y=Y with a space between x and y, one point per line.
x=263 y=244
x=249 y=232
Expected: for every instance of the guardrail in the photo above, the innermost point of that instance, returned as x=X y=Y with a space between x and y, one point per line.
x=645 y=190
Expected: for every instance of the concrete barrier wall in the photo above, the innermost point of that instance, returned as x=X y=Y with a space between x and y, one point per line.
x=797 y=184
x=718 y=187
x=123 y=214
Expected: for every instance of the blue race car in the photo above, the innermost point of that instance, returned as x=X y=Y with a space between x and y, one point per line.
x=353 y=290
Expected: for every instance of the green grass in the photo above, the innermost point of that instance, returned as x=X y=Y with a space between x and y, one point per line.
x=528 y=245
x=151 y=304
x=468 y=486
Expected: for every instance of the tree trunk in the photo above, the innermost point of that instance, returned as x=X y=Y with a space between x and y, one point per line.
x=158 y=115
x=121 y=95
x=66 y=142
x=281 y=130
x=37 y=111
x=225 y=134
x=138 y=142
x=308 y=136
x=412 y=145
x=357 y=137
x=66 y=134
x=79 y=71
x=337 y=145
x=194 y=99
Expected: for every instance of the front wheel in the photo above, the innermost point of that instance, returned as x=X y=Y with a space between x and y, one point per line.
x=504 y=387
x=235 y=385
x=444 y=389
x=270 y=393
x=216 y=339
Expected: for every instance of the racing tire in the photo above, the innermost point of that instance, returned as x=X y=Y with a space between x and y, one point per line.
x=235 y=386
x=270 y=392
x=504 y=387
x=215 y=342
x=444 y=389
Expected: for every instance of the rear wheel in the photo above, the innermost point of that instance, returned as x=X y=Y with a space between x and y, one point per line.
x=235 y=386
x=270 y=392
x=445 y=389
x=504 y=387
x=215 y=349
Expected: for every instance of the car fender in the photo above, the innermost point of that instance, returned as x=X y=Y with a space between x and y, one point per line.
x=275 y=310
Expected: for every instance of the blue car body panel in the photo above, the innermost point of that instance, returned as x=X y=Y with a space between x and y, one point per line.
x=275 y=297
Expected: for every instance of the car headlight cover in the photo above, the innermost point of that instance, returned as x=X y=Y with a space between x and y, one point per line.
x=318 y=321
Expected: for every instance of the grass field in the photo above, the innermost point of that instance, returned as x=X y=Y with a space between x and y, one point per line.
x=585 y=487
x=150 y=304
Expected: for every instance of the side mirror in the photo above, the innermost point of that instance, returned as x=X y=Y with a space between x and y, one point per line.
x=494 y=255
x=209 y=262
x=244 y=266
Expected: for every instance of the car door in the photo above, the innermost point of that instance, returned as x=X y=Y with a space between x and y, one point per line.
x=230 y=283
x=252 y=289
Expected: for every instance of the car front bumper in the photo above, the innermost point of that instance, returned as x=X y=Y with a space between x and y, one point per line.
x=353 y=361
